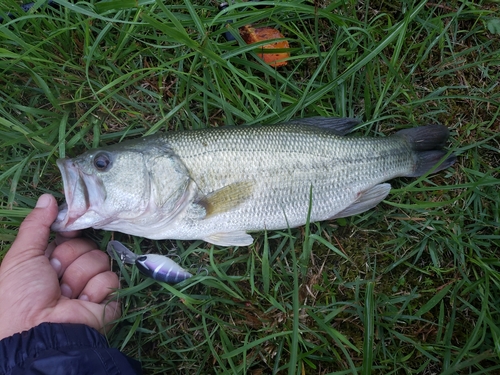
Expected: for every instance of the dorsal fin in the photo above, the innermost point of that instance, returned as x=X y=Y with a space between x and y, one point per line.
x=337 y=125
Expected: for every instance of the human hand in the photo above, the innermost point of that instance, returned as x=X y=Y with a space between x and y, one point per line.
x=66 y=282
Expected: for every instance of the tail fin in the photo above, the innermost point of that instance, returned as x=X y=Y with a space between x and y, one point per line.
x=427 y=142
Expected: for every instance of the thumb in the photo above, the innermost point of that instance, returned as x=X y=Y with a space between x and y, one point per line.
x=34 y=231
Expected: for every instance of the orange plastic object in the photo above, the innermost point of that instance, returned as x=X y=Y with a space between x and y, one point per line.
x=253 y=35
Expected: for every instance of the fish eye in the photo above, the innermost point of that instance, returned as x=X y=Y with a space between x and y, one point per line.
x=102 y=162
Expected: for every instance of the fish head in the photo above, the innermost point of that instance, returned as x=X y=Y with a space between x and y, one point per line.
x=103 y=187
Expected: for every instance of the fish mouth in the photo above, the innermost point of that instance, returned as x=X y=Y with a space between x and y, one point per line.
x=82 y=192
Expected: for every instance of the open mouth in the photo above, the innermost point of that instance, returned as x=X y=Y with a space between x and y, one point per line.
x=77 y=197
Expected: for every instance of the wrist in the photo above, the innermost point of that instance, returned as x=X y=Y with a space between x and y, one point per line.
x=8 y=331
x=12 y=322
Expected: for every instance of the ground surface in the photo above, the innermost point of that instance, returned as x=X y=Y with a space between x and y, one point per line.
x=412 y=286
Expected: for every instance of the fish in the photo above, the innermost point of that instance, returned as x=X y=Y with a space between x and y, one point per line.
x=156 y=266
x=218 y=184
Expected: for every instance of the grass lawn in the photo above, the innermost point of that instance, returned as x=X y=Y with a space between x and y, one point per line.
x=410 y=287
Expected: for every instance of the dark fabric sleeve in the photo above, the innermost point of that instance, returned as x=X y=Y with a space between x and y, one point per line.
x=57 y=349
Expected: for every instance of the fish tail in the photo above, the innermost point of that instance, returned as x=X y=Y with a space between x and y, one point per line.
x=428 y=142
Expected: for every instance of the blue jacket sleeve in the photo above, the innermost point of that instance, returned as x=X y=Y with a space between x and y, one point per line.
x=53 y=348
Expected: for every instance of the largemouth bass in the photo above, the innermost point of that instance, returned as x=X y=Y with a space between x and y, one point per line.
x=217 y=184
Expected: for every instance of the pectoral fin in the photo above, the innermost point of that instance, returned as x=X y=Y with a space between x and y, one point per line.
x=367 y=200
x=236 y=238
x=226 y=198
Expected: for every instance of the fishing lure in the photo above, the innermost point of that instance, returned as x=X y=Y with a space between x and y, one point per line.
x=156 y=266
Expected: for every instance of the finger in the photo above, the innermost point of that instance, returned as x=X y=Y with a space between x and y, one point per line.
x=65 y=236
x=69 y=251
x=34 y=231
x=112 y=312
x=105 y=314
x=61 y=237
x=98 y=316
x=100 y=287
x=50 y=249
x=84 y=268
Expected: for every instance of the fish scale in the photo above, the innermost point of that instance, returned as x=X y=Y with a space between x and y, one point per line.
x=328 y=162
x=216 y=184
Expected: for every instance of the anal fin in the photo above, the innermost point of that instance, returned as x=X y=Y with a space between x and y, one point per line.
x=236 y=238
x=367 y=200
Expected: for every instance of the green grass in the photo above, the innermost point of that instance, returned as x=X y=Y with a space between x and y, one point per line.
x=410 y=287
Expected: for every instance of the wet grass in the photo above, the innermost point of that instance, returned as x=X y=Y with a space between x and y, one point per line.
x=412 y=286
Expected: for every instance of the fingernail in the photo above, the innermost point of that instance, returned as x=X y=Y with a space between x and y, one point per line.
x=56 y=265
x=43 y=201
x=66 y=290
x=84 y=297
